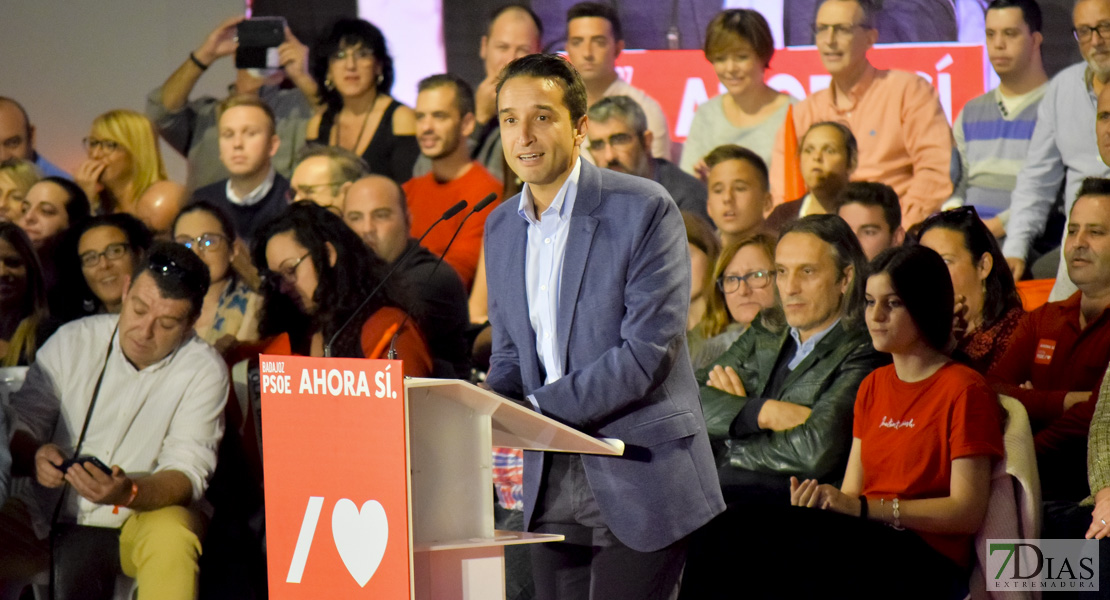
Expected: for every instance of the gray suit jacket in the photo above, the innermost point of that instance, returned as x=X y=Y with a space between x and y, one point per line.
x=621 y=332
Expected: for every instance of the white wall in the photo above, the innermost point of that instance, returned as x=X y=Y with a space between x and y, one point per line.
x=68 y=61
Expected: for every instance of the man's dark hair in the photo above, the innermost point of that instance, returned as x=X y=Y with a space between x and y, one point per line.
x=346 y=33
x=729 y=152
x=1030 y=11
x=921 y=280
x=497 y=12
x=846 y=250
x=464 y=94
x=178 y=272
x=553 y=68
x=1001 y=294
x=872 y=193
x=595 y=9
x=1092 y=186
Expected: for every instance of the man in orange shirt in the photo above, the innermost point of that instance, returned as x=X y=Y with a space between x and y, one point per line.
x=444 y=119
x=904 y=138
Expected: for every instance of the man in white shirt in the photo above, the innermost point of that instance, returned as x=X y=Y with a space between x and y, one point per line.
x=152 y=395
x=594 y=40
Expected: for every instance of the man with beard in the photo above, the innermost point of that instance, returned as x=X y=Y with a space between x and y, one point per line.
x=444 y=119
x=620 y=140
x=1062 y=149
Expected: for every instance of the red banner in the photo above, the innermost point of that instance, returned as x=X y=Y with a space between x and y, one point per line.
x=337 y=487
x=680 y=80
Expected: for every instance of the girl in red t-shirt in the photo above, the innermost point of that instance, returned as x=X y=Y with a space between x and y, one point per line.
x=925 y=434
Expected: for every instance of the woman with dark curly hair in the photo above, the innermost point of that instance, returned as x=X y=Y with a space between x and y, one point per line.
x=317 y=273
x=355 y=73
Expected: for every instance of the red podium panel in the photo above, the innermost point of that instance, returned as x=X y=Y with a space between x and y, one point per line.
x=337 y=478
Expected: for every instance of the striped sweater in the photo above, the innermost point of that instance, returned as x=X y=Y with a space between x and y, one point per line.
x=992 y=149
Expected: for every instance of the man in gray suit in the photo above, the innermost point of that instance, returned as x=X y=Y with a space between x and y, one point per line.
x=588 y=313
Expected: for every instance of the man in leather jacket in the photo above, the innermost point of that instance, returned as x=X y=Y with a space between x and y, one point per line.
x=779 y=401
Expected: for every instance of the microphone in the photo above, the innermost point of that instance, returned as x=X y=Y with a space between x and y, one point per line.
x=484 y=202
x=447 y=214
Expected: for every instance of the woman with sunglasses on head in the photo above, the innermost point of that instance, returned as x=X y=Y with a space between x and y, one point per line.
x=24 y=313
x=230 y=311
x=318 y=272
x=355 y=73
x=108 y=248
x=123 y=163
x=741 y=289
x=988 y=307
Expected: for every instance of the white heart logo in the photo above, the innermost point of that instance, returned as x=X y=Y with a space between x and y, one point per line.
x=360 y=537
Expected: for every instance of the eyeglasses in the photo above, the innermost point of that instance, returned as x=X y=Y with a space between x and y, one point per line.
x=91 y=144
x=163 y=266
x=1083 y=33
x=204 y=243
x=838 y=30
x=289 y=274
x=308 y=191
x=112 y=252
x=359 y=54
x=617 y=140
x=756 y=280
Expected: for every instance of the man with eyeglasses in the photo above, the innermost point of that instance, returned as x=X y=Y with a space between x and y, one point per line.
x=192 y=126
x=1064 y=146
x=620 y=140
x=896 y=116
x=778 y=403
x=255 y=192
x=324 y=174
x=144 y=396
x=17 y=138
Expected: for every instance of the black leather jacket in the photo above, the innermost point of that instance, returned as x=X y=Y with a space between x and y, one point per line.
x=826 y=382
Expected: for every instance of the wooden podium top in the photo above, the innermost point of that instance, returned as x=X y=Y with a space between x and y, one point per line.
x=516 y=426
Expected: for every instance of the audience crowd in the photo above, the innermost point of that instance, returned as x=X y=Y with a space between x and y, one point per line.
x=861 y=349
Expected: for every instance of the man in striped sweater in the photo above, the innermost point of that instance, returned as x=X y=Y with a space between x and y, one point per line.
x=993 y=130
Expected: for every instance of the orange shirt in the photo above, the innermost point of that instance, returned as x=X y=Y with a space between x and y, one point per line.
x=428 y=199
x=903 y=136
x=911 y=432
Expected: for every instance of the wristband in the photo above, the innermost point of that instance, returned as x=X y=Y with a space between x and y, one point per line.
x=196 y=61
x=130 y=499
x=863 y=507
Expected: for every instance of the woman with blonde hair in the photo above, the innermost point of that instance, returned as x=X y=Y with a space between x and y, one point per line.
x=24 y=314
x=16 y=177
x=123 y=162
x=739 y=289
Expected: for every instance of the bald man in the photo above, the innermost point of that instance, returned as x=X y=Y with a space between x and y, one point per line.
x=158 y=207
x=375 y=209
x=17 y=138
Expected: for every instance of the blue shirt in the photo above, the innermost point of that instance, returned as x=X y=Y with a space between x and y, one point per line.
x=806 y=348
x=49 y=169
x=1064 y=147
x=543 y=268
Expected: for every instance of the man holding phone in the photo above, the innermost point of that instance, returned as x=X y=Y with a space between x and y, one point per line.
x=192 y=127
x=146 y=397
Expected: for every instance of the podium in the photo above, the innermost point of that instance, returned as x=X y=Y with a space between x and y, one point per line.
x=404 y=479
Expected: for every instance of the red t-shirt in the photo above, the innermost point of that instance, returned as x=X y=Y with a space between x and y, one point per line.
x=428 y=199
x=911 y=432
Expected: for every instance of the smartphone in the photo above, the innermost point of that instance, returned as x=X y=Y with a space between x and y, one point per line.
x=94 y=461
x=258 y=42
